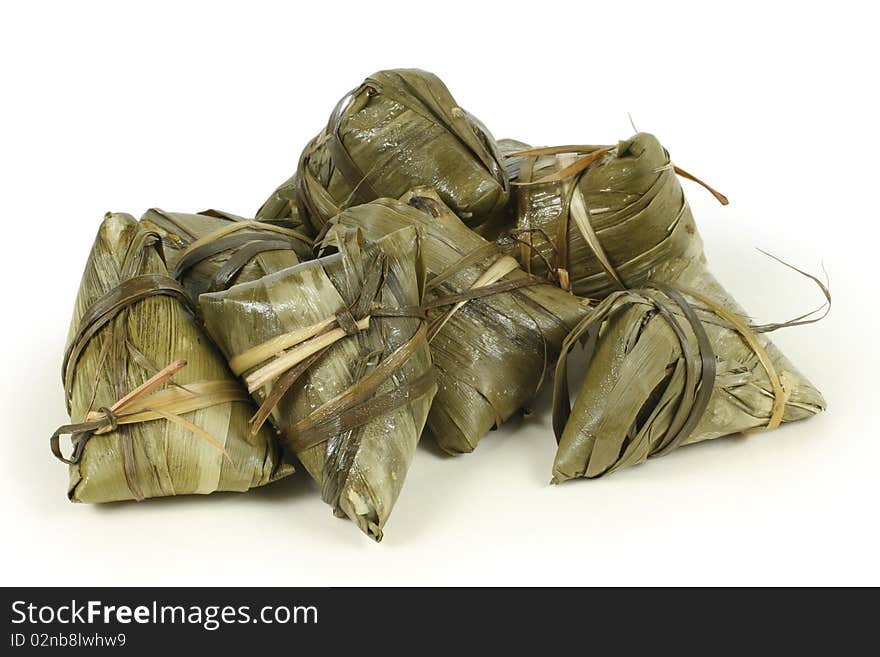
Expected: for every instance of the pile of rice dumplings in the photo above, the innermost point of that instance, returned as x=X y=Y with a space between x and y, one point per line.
x=413 y=277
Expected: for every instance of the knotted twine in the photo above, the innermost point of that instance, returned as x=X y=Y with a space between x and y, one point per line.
x=282 y=361
x=144 y=403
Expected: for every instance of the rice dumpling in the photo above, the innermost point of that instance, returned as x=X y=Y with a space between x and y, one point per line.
x=335 y=350
x=493 y=329
x=671 y=364
x=213 y=250
x=398 y=129
x=156 y=412
x=595 y=219
x=281 y=209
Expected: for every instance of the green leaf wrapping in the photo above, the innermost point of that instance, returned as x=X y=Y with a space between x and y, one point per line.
x=491 y=355
x=399 y=129
x=631 y=200
x=159 y=457
x=237 y=256
x=636 y=379
x=359 y=455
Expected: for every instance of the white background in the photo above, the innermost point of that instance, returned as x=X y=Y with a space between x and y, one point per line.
x=185 y=106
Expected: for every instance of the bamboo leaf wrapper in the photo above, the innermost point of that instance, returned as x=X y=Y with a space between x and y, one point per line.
x=600 y=227
x=335 y=351
x=399 y=129
x=131 y=322
x=213 y=250
x=674 y=363
x=494 y=330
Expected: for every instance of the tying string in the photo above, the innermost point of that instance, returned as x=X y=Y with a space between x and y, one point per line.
x=359 y=404
x=807 y=318
x=576 y=206
x=722 y=199
x=749 y=333
x=526 y=248
x=167 y=404
x=306 y=188
x=699 y=364
x=488 y=283
x=146 y=403
x=524 y=237
x=429 y=98
x=780 y=393
x=434 y=104
x=245 y=240
x=569 y=170
x=700 y=367
x=282 y=360
x=107 y=307
x=571 y=163
x=485 y=285
x=361 y=189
